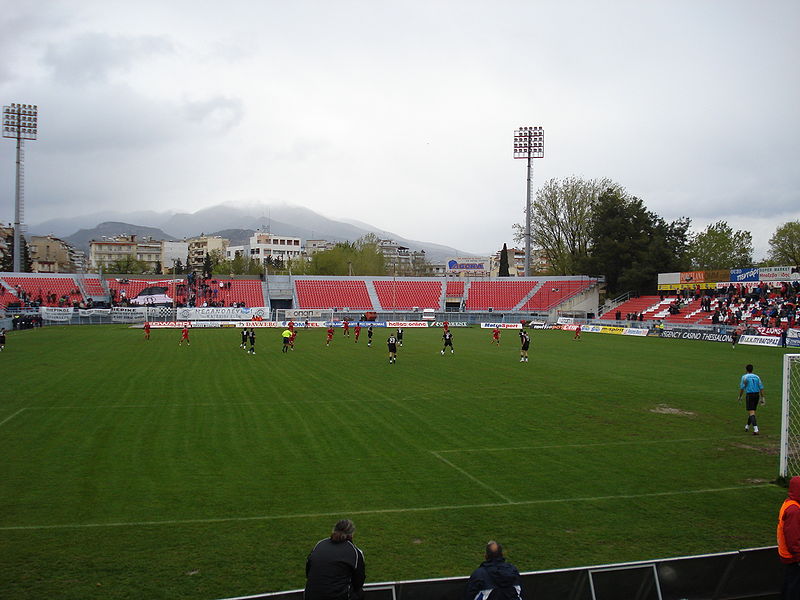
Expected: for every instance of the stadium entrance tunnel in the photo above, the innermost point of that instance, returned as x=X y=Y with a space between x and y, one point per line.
x=755 y=574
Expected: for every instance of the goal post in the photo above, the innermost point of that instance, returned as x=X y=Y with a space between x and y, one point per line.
x=790 y=417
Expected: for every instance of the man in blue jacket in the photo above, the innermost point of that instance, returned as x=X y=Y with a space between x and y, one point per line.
x=495 y=579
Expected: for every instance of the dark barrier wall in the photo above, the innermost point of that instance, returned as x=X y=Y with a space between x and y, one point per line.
x=753 y=573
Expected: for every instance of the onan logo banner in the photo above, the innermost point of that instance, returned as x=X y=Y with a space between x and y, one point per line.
x=742 y=275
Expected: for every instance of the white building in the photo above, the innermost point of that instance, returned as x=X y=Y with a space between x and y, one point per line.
x=268 y=245
x=172 y=252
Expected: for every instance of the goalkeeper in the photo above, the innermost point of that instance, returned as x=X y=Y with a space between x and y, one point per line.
x=751 y=386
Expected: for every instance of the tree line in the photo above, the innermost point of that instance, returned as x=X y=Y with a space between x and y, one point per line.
x=595 y=227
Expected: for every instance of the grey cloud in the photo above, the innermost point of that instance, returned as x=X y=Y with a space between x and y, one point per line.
x=218 y=113
x=93 y=57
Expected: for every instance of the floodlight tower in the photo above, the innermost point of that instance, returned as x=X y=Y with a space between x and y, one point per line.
x=20 y=122
x=529 y=144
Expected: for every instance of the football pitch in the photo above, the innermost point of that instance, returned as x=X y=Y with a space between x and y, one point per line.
x=141 y=469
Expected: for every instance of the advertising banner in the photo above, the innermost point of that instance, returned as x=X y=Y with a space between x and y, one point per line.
x=742 y=275
x=450 y=324
x=53 y=313
x=769 y=330
x=121 y=314
x=681 y=286
x=565 y=320
x=94 y=312
x=501 y=325
x=715 y=275
x=779 y=273
x=669 y=278
x=703 y=336
x=304 y=314
x=406 y=324
x=759 y=340
x=222 y=313
x=693 y=277
x=470 y=266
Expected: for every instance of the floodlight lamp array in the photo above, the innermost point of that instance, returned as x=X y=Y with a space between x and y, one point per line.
x=529 y=142
x=20 y=121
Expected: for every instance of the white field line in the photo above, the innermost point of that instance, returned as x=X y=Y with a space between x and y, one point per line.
x=385 y=511
x=473 y=478
x=622 y=443
x=7 y=419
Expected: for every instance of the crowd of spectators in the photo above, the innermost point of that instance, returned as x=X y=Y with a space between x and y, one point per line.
x=194 y=292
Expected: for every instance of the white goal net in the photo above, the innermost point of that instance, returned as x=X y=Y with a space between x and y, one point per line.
x=790 y=420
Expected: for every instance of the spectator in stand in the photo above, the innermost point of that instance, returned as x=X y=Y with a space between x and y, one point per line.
x=335 y=568
x=495 y=578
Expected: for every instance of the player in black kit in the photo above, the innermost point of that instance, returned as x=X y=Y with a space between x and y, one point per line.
x=448 y=341
x=525 y=340
x=392 y=344
x=369 y=336
x=243 y=345
x=252 y=337
x=400 y=336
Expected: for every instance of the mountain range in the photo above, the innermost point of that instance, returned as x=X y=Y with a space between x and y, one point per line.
x=229 y=221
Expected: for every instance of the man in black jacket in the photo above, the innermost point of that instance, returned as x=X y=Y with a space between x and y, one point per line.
x=335 y=567
x=495 y=579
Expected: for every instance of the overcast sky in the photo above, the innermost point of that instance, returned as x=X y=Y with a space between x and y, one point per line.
x=401 y=114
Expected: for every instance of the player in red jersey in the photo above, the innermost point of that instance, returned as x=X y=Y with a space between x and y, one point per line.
x=147 y=330
x=496 y=336
x=446 y=326
x=577 y=332
x=184 y=336
x=291 y=340
x=291 y=326
x=346 y=325
x=357 y=331
x=329 y=336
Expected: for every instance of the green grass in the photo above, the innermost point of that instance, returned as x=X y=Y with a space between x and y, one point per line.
x=133 y=469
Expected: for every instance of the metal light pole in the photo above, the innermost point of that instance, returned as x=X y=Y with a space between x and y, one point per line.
x=528 y=144
x=20 y=123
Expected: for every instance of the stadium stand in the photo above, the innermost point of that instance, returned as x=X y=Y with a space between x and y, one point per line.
x=320 y=293
x=553 y=293
x=641 y=305
x=210 y=292
x=498 y=295
x=409 y=294
x=455 y=289
x=46 y=291
x=93 y=286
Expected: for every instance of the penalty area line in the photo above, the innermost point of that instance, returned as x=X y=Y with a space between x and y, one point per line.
x=386 y=511
x=473 y=478
x=589 y=445
x=7 y=419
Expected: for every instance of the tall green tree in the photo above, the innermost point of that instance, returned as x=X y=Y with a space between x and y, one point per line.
x=630 y=245
x=561 y=218
x=208 y=266
x=784 y=245
x=504 y=262
x=128 y=265
x=720 y=247
x=362 y=257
